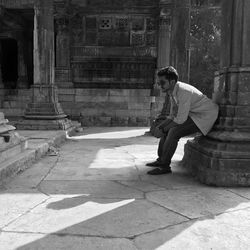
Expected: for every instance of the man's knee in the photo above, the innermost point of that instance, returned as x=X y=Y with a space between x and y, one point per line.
x=174 y=134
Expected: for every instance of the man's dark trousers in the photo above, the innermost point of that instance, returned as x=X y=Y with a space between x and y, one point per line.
x=168 y=143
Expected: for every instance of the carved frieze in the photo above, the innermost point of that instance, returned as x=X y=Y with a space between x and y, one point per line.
x=122 y=3
x=99 y=70
x=114 y=30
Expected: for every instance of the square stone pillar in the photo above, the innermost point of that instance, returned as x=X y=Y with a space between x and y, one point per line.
x=63 y=48
x=180 y=38
x=1 y=79
x=223 y=157
x=163 y=52
x=164 y=35
x=44 y=112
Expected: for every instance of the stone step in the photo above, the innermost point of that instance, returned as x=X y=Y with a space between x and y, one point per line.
x=15 y=145
x=17 y=163
x=38 y=146
x=10 y=152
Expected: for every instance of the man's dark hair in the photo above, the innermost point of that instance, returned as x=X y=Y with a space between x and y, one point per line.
x=169 y=72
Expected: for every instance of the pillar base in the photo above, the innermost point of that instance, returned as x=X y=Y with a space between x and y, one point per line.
x=43 y=124
x=218 y=162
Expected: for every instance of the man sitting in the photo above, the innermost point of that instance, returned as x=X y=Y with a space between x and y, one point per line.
x=190 y=112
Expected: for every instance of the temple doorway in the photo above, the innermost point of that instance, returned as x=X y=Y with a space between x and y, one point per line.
x=9 y=63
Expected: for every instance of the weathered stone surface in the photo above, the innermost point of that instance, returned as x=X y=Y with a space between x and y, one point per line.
x=226 y=231
x=208 y=201
x=92 y=188
x=84 y=215
x=15 y=202
x=98 y=214
x=220 y=166
x=50 y=242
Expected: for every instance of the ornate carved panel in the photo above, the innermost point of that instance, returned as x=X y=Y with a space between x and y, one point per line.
x=118 y=72
x=151 y=38
x=138 y=24
x=137 y=38
x=105 y=23
x=122 y=24
x=151 y=24
x=78 y=28
x=105 y=38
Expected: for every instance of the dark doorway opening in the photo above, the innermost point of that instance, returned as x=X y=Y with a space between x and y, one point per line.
x=9 y=63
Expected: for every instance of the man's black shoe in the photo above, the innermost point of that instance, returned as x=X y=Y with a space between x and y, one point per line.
x=154 y=164
x=159 y=171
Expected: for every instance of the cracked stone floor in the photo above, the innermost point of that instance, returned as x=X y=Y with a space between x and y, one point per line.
x=95 y=194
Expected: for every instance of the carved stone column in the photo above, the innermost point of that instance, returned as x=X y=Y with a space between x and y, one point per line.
x=163 y=53
x=22 y=82
x=63 y=71
x=164 y=37
x=180 y=41
x=223 y=158
x=44 y=112
x=1 y=79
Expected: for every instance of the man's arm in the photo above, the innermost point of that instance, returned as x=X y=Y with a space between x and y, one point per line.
x=165 y=109
x=182 y=113
x=183 y=107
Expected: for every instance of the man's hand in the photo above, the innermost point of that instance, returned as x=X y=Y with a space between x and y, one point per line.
x=158 y=133
x=164 y=124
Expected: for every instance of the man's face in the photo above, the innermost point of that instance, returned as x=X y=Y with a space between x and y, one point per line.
x=164 y=83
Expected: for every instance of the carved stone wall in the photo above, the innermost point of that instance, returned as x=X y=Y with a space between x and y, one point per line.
x=107 y=47
x=105 y=58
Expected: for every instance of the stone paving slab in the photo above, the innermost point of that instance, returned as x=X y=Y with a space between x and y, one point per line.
x=24 y=241
x=196 y=202
x=229 y=231
x=95 y=194
x=15 y=202
x=83 y=215
x=93 y=188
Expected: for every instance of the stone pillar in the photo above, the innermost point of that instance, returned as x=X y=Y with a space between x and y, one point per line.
x=223 y=157
x=44 y=112
x=164 y=37
x=63 y=71
x=163 y=54
x=22 y=82
x=1 y=79
x=180 y=38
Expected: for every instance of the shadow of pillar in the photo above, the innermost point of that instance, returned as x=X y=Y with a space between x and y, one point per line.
x=223 y=157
